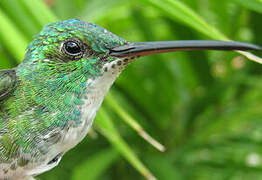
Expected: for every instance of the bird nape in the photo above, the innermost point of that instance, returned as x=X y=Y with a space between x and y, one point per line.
x=49 y=101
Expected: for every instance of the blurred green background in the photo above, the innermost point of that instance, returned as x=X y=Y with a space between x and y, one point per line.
x=204 y=107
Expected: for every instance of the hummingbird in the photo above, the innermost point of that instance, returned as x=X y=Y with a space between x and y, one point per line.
x=49 y=101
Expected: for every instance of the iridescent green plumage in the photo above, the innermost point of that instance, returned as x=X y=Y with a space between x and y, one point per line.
x=48 y=102
x=45 y=93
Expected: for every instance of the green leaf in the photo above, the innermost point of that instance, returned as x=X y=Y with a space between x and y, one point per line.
x=255 y=5
x=100 y=9
x=39 y=11
x=95 y=165
x=163 y=168
x=107 y=128
x=177 y=10
x=5 y=63
x=12 y=38
x=126 y=117
x=20 y=17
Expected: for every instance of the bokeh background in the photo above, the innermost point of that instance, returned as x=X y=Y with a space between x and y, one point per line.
x=204 y=107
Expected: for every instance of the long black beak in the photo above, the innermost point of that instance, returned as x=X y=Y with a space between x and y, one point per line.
x=147 y=48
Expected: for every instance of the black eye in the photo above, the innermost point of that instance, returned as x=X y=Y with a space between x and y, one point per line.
x=73 y=48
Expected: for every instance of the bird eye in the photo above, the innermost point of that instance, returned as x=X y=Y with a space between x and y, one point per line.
x=73 y=48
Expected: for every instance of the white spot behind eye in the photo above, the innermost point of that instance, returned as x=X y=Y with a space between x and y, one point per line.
x=46 y=60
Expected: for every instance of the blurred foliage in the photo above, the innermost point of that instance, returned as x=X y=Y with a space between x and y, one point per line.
x=203 y=106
